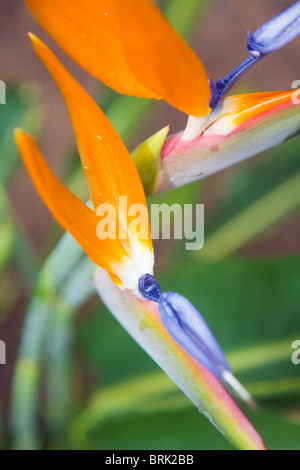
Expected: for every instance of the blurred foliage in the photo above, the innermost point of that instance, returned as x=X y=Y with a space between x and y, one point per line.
x=81 y=375
x=22 y=109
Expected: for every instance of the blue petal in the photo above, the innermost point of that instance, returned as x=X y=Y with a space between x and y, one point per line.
x=187 y=326
x=277 y=32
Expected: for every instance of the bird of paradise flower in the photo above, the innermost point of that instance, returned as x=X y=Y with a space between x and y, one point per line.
x=174 y=334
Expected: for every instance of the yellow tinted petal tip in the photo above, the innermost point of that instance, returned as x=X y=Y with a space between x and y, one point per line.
x=21 y=137
x=35 y=40
x=18 y=132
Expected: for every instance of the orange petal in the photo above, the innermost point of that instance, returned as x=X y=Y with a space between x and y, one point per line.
x=77 y=218
x=108 y=166
x=247 y=106
x=109 y=170
x=130 y=46
x=243 y=110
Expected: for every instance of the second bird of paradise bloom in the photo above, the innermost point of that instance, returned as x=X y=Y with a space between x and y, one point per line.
x=109 y=169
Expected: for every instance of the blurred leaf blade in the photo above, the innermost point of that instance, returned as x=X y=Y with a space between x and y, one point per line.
x=129 y=404
x=22 y=109
x=184 y=18
x=13 y=242
x=48 y=303
x=254 y=220
x=7 y=230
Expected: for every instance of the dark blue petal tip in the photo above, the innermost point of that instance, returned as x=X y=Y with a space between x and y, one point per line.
x=215 y=94
x=149 y=288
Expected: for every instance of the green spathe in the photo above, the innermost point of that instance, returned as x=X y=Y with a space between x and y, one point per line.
x=147 y=158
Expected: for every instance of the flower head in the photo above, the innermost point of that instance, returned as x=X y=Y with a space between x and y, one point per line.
x=111 y=175
x=153 y=62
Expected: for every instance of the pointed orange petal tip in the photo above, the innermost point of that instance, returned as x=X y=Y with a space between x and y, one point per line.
x=130 y=46
x=18 y=133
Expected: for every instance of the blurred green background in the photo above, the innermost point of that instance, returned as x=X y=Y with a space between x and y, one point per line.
x=74 y=379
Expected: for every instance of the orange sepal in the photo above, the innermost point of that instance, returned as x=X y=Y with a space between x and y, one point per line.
x=75 y=216
x=243 y=108
x=107 y=164
x=130 y=46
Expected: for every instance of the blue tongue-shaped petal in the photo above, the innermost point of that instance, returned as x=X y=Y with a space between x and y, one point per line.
x=187 y=326
x=277 y=32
